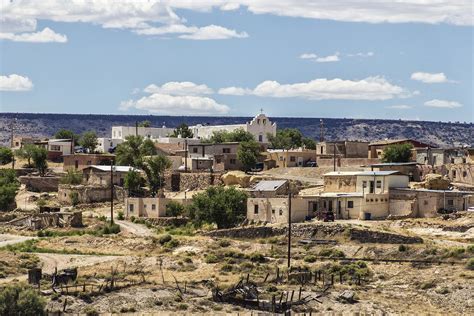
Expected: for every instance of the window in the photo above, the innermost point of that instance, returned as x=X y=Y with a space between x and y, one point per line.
x=281 y=158
x=264 y=121
x=195 y=150
x=371 y=200
x=451 y=202
x=464 y=174
x=153 y=207
x=55 y=148
x=232 y=161
x=130 y=208
x=454 y=173
x=364 y=184
x=452 y=160
x=464 y=160
x=273 y=211
x=258 y=121
x=255 y=209
x=292 y=158
x=376 y=200
x=89 y=162
x=218 y=160
x=425 y=202
x=260 y=138
x=144 y=206
x=281 y=212
x=379 y=184
x=226 y=150
x=350 y=204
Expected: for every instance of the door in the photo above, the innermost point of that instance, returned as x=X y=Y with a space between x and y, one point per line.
x=330 y=206
x=371 y=186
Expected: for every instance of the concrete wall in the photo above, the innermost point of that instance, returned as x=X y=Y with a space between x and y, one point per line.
x=120 y=132
x=275 y=210
x=104 y=144
x=149 y=207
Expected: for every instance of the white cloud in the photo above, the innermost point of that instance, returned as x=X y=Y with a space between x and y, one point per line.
x=308 y=56
x=168 y=29
x=436 y=103
x=47 y=35
x=319 y=59
x=368 y=54
x=179 y=88
x=429 y=77
x=328 y=59
x=169 y=104
x=371 y=88
x=15 y=82
x=234 y=91
x=400 y=107
x=213 y=32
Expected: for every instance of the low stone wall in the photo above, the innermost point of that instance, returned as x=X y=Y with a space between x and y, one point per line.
x=369 y=236
x=88 y=194
x=347 y=162
x=168 y=221
x=40 y=184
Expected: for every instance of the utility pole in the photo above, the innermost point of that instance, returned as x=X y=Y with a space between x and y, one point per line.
x=136 y=128
x=289 y=226
x=12 y=142
x=321 y=130
x=185 y=155
x=334 y=157
x=111 y=191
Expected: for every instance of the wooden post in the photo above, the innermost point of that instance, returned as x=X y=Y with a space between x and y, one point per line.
x=292 y=294
x=332 y=279
x=340 y=277
x=281 y=297
x=273 y=303
x=299 y=294
x=65 y=304
x=289 y=225
x=266 y=277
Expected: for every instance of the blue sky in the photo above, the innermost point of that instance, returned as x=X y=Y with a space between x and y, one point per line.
x=206 y=59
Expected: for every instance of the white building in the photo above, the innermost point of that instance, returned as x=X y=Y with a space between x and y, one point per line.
x=259 y=127
x=105 y=144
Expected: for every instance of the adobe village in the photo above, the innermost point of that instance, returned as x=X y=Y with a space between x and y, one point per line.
x=235 y=219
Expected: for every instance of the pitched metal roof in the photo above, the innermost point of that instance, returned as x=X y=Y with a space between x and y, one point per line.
x=116 y=168
x=268 y=185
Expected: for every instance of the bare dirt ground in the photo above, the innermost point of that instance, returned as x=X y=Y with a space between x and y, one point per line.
x=170 y=260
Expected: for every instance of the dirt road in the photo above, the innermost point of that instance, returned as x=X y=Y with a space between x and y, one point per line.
x=7 y=239
x=134 y=229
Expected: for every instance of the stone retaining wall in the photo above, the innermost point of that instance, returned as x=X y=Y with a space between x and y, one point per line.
x=40 y=184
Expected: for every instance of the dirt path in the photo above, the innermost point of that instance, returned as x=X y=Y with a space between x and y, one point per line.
x=50 y=261
x=7 y=239
x=134 y=229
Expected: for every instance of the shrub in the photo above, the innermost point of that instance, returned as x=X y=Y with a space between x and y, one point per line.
x=402 y=248
x=72 y=177
x=211 y=258
x=164 y=239
x=174 y=209
x=257 y=257
x=6 y=155
x=173 y=243
x=90 y=311
x=183 y=306
x=456 y=252
x=21 y=300
x=470 y=264
x=120 y=215
x=74 y=196
x=224 y=243
x=110 y=229
x=332 y=253
x=470 y=248
x=226 y=267
x=310 y=259
x=428 y=285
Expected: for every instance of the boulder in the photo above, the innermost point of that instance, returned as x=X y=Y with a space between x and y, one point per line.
x=236 y=178
x=433 y=182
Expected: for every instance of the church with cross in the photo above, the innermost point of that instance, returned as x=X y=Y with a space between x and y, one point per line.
x=260 y=127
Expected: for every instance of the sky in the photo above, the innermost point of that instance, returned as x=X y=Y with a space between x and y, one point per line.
x=409 y=60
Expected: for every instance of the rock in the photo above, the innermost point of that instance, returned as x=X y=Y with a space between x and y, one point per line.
x=347 y=296
x=433 y=182
x=236 y=178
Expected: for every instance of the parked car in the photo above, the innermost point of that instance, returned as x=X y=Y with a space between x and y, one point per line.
x=311 y=164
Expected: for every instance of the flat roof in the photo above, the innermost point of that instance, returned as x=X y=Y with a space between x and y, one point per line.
x=434 y=191
x=383 y=164
x=361 y=173
x=116 y=168
x=268 y=185
x=341 y=194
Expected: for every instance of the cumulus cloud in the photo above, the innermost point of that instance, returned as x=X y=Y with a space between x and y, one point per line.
x=308 y=56
x=320 y=59
x=371 y=88
x=179 y=88
x=427 y=77
x=15 y=82
x=213 y=32
x=368 y=54
x=47 y=35
x=400 y=107
x=168 y=104
x=436 y=103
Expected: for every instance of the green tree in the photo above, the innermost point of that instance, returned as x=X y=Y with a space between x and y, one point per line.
x=39 y=156
x=238 y=135
x=26 y=153
x=20 y=300
x=89 y=141
x=145 y=123
x=133 y=183
x=286 y=138
x=8 y=188
x=397 y=153
x=154 y=168
x=67 y=134
x=248 y=153
x=6 y=155
x=183 y=131
x=224 y=207
x=174 y=209
x=133 y=150
x=309 y=143
x=72 y=177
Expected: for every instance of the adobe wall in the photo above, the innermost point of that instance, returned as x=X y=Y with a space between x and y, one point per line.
x=88 y=194
x=347 y=162
x=340 y=184
x=191 y=181
x=40 y=184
